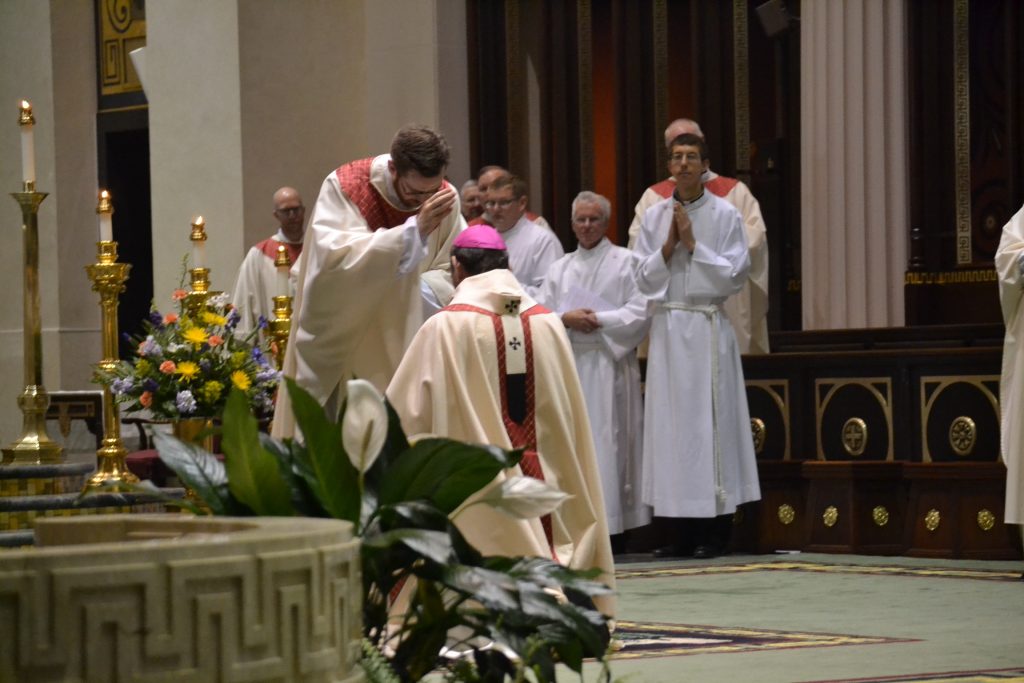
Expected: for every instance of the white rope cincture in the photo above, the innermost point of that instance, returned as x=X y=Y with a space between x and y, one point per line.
x=712 y=313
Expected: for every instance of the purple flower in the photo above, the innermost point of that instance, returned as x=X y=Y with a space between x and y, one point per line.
x=185 y=402
x=233 y=318
x=121 y=385
x=149 y=347
x=156 y=319
x=262 y=323
x=204 y=364
x=268 y=375
x=150 y=385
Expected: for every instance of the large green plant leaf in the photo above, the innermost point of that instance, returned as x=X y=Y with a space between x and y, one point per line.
x=297 y=473
x=435 y=546
x=338 y=481
x=199 y=471
x=443 y=471
x=253 y=474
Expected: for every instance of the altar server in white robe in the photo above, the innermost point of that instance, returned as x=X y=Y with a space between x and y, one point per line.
x=495 y=367
x=748 y=308
x=698 y=452
x=531 y=248
x=594 y=291
x=380 y=230
x=1010 y=267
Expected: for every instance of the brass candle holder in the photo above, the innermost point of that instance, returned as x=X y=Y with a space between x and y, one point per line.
x=34 y=446
x=199 y=276
x=108 y=277
x=280 y=327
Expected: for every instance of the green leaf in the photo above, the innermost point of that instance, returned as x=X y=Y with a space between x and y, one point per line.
x=296 y=473
x=338 y=480
x=253 y=474
x=444 y=471
x=432 y=545
x=197 y=470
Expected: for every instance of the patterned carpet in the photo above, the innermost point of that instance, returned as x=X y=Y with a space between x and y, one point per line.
x=1014 y=675
x=931 y=572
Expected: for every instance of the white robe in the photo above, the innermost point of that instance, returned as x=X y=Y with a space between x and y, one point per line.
x=607 y=366
x=697 y=462
x=1009 y=263
x=748 y=308
x=256 y=286
x=358 y=303
x=531 y=249
x=448 y=384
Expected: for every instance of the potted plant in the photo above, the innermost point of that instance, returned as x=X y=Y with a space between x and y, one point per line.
x=430 y=600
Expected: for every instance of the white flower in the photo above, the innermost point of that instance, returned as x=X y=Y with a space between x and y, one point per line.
x=219 y=300
x=364 y=427
x=525 y=497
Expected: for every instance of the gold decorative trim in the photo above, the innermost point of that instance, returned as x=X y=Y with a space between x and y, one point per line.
x=831 y=516
x=758 y=431
x=855 y=436
x=741 y=87
x=778 y=390
x=880 y=516
x=515 y=87
x=962 y=435
x=786 y=514
x=986 y=520
x=879 y=387
x=951 y=277
x=585 y=78
x=120 y=32
x=932 y=386
x=659 y=35
x=932 y=519
x=962 y=129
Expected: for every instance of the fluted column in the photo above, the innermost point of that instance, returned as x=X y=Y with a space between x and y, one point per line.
x=853 y=164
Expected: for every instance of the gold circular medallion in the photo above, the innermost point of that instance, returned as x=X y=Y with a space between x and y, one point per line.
x=831 y=516
x=986 y=520
x=932 y=519
x=962 y=435
x=759 y=432
x=880 y=515
x=855 y=436
x=786 y=514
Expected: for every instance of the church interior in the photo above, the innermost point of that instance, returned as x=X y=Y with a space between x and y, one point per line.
x=883 y=139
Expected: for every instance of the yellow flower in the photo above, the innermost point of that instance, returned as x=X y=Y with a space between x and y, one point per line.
x=241 y=380
x=211 y=391
x=195 y=335
x=188 y=369
x=211 y=318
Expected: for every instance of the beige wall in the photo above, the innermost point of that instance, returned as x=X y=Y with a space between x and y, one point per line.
x=48 y=58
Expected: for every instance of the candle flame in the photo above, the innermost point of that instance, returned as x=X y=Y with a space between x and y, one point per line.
x=282 y=260
x=105 y=204
x=198 y=233
x=25 y=117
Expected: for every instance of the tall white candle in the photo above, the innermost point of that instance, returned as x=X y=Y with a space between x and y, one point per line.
x=105 y=209
x=28 y=152
x=282 y=281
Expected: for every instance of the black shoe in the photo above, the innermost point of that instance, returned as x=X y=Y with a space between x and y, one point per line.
x=705 y=552
x=670 y=552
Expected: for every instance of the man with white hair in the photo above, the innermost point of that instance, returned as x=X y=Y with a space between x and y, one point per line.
x=748 y=309
x=594 y=291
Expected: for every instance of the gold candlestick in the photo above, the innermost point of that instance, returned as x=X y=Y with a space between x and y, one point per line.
x=199 y=275
x=281 y=325
x=108 y=277
x=34 y=447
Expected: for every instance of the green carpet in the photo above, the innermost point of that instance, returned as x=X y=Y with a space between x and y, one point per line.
x=815 y=618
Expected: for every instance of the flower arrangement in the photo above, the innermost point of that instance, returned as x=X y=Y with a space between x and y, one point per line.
x=185 y=365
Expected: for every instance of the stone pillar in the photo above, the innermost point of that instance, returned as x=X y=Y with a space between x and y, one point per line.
x=853 y=163
x=48 y=53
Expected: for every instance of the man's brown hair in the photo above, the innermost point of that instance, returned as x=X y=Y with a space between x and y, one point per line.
x=421 y=149
x=517 y=184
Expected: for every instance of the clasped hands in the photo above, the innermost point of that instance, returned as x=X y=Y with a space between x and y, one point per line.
x=581 y=319
x=680 y=232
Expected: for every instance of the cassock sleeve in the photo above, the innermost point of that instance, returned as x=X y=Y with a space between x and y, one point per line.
x=625 y=327
x=721 y=261
x=1008 y=266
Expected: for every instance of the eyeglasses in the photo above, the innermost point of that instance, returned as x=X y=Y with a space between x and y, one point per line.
x=586 y=220
x=413 y=193
x=291 y=210
x=503 y=203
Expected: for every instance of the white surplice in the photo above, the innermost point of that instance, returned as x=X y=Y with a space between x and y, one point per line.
x=449 y=384
x=748 y=308
x=256 y=286
x=531 y=249
x=698 y=456
x=1009 y=263
x=607 y=366
x=358 y=303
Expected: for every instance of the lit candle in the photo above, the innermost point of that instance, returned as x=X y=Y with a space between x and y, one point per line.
x=28 y=154
x=105 y=210
x=198 y=238
x=283 y=267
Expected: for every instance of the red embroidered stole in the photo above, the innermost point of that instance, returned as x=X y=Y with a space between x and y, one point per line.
x=269 y=248
x=719 y=186
x=354 y=178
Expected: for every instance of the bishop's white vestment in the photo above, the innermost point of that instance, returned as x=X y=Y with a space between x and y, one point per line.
x=358 y=303
x=1009 y=263
x=698 y=456
x=602 y=278
x=256 y=284
x=748 y=308
x=452 y=383
x=531 y=249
